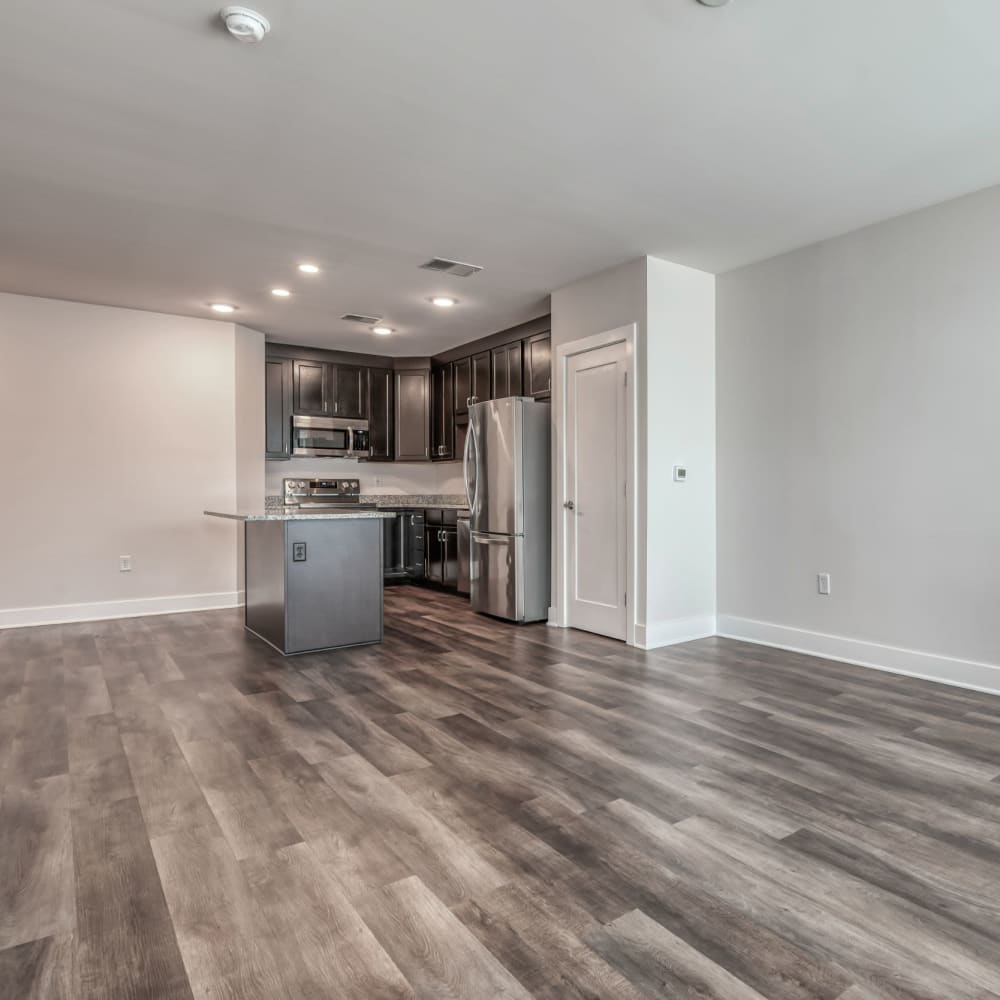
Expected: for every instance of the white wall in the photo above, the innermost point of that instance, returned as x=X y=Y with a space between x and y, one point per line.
x=673 y=311
x=375 y=477
x=858 y=388
x=118 y=428
x=679 y=372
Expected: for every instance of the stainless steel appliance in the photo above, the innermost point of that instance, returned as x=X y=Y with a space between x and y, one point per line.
x=325 y=494
x=464 y=549
x=330 y=437
x=403 y=545
x=507 y=475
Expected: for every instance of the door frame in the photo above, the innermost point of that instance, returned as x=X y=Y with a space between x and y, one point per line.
x=559 y=612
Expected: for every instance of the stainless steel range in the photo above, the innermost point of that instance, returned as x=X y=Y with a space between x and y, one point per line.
x=325 y=494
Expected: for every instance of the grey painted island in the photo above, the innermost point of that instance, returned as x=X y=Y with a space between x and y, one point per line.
x=313 y=579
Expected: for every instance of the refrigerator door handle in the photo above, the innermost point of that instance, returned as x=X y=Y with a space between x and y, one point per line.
x=490 y=541
x=465 y=465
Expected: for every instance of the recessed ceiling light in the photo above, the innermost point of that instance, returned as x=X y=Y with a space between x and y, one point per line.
x=444 y=301
x=221 y=307
x=309 y=268
x=382 y=331
x=282 y=293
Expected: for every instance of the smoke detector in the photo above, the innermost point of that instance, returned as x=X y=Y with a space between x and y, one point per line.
x=244 y=24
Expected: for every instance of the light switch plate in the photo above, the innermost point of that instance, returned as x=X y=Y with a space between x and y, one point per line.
x=680 y=473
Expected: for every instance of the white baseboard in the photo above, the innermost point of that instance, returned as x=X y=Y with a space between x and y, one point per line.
x=61 y=614
x=893 y=659
x=670 y=633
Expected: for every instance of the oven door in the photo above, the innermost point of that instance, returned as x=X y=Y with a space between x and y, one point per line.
x=323 y=437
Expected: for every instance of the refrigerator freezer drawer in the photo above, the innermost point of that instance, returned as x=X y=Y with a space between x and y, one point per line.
x=494 y=570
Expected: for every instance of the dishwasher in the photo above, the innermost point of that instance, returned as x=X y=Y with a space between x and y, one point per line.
x=464 y=549
x=403 y=546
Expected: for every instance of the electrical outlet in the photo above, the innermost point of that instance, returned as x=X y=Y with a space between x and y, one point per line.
x=823 y=583
x=379 y=481
x=124 y=564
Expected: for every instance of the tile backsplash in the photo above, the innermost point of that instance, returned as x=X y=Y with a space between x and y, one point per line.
x=389 y=478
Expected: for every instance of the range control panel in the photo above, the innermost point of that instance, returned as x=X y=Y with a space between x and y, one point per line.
x=299 y=491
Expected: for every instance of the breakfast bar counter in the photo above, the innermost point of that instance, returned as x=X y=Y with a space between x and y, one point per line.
x=313 y=578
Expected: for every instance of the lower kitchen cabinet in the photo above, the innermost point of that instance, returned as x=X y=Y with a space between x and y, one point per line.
x=441 y=548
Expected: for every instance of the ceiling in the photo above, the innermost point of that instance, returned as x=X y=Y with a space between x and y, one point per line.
x=149 y=160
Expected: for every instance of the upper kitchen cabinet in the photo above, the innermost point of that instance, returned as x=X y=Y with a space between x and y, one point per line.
x=471 y=377
x=507 y=370
x=311 y=388
x=462 y=380
x=349 y=391
x=321 y=389
x=277 y=408
x=442 y=413
x=482 y=387
x=412 y=416
x=538 y=366
x=381 y=414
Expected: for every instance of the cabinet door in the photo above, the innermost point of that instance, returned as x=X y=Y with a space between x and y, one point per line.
x=433 y=553
x=481 y=388
x=443 y=420
x=507 y=371
x=463 y=385
x=412 y=416
x=538 y=366
x=348 y=391
x=380 y=415
x=449 y=557
x=311 y=388
x=277 y=408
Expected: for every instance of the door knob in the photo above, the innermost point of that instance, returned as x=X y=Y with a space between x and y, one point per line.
x=569 y=505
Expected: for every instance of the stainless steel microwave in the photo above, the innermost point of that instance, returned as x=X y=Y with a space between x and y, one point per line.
x=330 y=437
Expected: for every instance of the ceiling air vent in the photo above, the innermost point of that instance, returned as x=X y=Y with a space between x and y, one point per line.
x=367 y=320
x=454 y=267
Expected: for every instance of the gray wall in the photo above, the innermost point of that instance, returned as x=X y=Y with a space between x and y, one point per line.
x=859 y=434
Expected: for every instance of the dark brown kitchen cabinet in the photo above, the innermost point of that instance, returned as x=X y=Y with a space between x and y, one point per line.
x=311 y=388
x=462 y=379
x=507 y=371
x=321 y=389
x=349 y=397
x=278 y=408
x=442 y=413
x=441 y=554
x=481 y=381
x=412 y=416
x=381 y=418
x=538 y=366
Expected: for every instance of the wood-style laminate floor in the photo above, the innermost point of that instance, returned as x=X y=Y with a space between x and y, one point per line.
x=478 y=811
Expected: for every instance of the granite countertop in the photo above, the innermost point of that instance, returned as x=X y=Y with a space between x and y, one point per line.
x=280 y=514
x=394 y=501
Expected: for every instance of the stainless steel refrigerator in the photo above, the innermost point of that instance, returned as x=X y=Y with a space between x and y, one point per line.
x=507 y=476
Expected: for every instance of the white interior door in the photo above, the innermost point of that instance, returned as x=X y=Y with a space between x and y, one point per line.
x=595 y=502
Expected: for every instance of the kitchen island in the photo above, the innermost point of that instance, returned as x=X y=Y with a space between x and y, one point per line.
x=313 y=578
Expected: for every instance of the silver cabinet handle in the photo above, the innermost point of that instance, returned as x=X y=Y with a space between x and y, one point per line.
x=569 y=505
